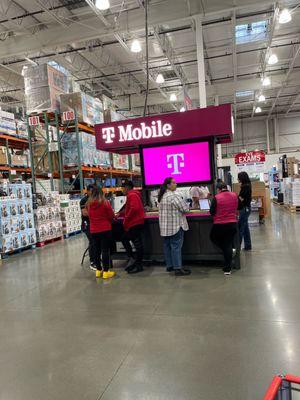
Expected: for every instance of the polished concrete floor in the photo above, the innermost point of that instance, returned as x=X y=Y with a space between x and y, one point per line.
x=153 y=336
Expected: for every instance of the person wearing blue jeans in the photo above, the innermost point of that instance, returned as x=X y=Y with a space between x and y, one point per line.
x=172 y=250
x=172 y=224
x=245 y=198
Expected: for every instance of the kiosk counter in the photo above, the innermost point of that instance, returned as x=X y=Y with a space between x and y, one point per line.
x=182 y=146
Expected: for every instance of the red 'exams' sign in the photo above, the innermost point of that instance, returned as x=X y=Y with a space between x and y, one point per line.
x=251 y=157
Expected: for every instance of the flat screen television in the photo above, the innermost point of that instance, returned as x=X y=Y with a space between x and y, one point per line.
x=187 y=163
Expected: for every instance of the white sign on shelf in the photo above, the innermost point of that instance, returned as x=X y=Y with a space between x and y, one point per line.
x=13 y=172
x=68 y=116
x=34 y=120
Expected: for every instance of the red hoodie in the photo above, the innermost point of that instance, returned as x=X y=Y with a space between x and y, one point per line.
x=101 y=216
x=134 y=210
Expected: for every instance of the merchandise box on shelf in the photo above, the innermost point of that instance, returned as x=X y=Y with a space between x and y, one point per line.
x=70 y=214
x=89 y=154
x=3 y=155
x=120 y=161
x=43 y=86
x=7 y=123
x=89 y=109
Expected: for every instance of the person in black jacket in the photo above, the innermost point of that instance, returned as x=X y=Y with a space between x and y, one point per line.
x=85 y=225
x=245 y=197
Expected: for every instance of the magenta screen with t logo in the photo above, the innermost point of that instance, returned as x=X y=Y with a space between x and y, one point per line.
x=186 y=163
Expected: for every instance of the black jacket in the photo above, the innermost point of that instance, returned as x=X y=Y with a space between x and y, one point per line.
x=246 y=196
x=85 y=221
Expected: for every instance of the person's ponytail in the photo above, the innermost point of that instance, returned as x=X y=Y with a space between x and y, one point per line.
x=164 y=188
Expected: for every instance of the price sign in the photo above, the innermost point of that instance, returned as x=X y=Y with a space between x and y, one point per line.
x=68 y=116
x=34 y=120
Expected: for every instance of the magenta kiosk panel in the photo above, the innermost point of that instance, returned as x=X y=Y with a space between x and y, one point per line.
x=187 y=163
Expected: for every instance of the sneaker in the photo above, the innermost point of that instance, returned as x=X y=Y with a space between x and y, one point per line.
x=136 y=269
x=182 y=272
x=99 y=273
x=108 y=274
x=233 y=253
x=227 y=271
x=93 y=267
x=170 y=269
x=130 y=263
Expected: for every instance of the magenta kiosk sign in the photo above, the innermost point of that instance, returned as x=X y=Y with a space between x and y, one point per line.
x=129 y=135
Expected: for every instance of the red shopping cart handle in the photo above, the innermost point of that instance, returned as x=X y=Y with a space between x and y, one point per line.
x=292 y=379
x=273 y=388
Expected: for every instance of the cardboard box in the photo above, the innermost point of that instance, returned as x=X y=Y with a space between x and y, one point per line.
x=89 y=109
x=3 y=156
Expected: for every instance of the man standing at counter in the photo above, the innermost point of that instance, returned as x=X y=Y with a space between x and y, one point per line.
x=134 y=218
x=198 y=193
x=173 y=224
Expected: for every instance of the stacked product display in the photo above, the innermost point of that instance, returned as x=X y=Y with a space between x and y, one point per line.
x=70 y=214
x=120 y=161
x=7 y=123
x=44 y=185
x=17 y=220
x=21 y=128
x=89 y=109
x=88 y=152
x=47 y=216
x=136 y=162
x=43 y=86
x=291 y=190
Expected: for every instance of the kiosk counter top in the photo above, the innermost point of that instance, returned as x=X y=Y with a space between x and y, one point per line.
x=192 y=213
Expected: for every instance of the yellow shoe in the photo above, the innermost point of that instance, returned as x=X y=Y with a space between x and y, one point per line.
x=98 y=273
x=108 y=274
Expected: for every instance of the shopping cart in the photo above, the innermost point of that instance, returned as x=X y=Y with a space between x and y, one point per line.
x=284 y=388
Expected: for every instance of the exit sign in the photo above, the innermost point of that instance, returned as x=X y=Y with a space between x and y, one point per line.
x=68 y=116
x=34 y=120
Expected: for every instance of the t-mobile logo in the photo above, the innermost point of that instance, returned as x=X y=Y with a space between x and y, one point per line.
x=108 y=134
x=175 y=161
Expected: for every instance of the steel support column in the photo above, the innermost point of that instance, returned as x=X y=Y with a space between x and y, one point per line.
x=200 y=62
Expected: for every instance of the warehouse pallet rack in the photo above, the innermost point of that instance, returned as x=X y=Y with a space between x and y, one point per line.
x=49 y=146
x=16 y=143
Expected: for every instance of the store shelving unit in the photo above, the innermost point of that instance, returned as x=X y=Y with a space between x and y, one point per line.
x=49 y=146
x=15 y=143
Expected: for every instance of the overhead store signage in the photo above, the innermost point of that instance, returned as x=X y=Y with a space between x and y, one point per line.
x=34 y=120
x=251 y=162
x=125 y=136
x=68 y=116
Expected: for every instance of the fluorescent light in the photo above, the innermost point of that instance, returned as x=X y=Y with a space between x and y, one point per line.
x=266 y=81
x=136 y=46
x=102 y=4
x=182 y=109
x=160 y=78
x=173 y=97
x=258 y=110
x=285 y=16
x=273 y=59
x=261 y=98
x=244 y=93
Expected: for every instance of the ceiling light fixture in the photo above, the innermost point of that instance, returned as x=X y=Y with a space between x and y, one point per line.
x=136 y=46
x=182 y=109
x=102 y=4
x=266 y=81
x=257 y=110
x=273 y=59
x=173 y=97
x=285 y=16
x=261 y=98
x=160 y=78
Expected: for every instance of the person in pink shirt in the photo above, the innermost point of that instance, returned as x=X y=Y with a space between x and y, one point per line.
x=224 y=211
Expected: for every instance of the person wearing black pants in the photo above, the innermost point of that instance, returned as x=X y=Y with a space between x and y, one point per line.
x=134 y=216
x=85 y=225
x=224 y=211
x=101 y=216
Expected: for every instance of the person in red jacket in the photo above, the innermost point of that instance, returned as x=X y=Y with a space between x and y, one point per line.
x=134 y=216
x=101 y=216
x=224 y=211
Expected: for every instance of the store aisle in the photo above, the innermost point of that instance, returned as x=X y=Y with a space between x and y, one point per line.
x=152 y=336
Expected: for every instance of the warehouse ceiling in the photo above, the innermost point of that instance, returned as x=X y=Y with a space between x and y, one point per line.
x=94 y=47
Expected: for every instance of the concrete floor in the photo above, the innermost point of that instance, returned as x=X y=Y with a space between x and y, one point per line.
x=152 y=336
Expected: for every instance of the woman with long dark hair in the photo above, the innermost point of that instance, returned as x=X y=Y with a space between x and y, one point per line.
x=173 y=224
x=101 y=216
x=245 y=197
